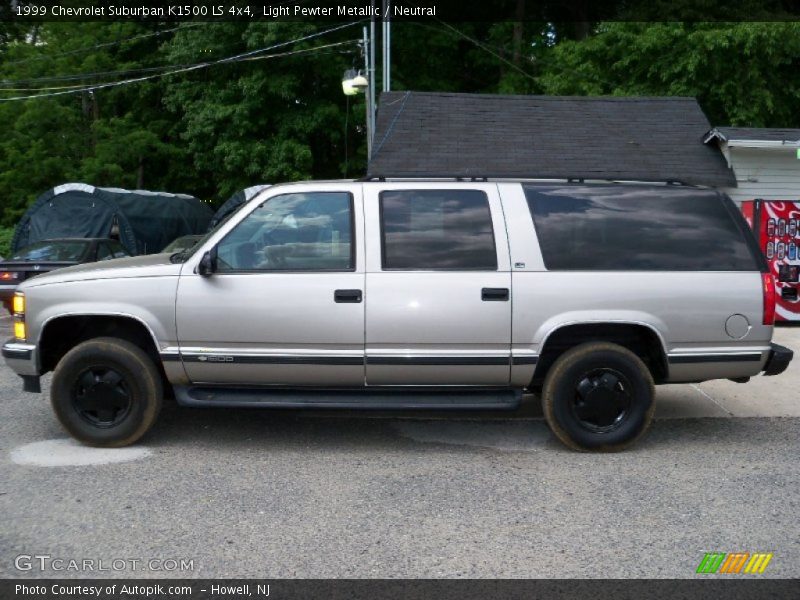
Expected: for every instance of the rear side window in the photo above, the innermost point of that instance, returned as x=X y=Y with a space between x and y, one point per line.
x=449 y=230
x=596 y=228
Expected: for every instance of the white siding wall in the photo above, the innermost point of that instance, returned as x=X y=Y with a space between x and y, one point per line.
x=766 y=173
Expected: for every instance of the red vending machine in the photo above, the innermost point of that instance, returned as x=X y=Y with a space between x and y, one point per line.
x=776 y=224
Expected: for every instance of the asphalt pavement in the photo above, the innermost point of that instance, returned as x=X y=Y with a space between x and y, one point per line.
x=277 y=494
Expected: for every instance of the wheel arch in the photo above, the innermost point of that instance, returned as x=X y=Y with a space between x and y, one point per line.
x=85 y=326
x=641 y=338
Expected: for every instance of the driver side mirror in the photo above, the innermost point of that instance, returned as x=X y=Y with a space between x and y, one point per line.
x=207 y=264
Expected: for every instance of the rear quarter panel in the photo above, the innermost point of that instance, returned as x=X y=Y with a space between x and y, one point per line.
x=687 y=310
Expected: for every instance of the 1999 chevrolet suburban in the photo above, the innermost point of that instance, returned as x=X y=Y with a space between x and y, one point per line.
x=414 y=294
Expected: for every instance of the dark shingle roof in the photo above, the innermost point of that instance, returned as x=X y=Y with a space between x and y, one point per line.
x=756 y=134
x=421 y=134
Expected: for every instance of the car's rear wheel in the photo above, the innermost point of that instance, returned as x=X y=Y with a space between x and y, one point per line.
x=598 y=396
x=106 y=392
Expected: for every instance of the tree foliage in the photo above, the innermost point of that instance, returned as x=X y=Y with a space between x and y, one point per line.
x=742 y=73
x=214 y=130
x=262 y=120
x=120 y=136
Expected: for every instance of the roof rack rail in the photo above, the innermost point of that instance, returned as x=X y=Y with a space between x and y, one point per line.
x=506 y=178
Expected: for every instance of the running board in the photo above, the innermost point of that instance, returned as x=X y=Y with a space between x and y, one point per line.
x=358 y=399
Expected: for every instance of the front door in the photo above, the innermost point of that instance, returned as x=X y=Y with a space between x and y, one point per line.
x=285 y=303
x=438 y=286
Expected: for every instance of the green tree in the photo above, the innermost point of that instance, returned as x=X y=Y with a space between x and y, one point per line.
x=114 y=136
x=215 y=130
x=266 y=119
x=741 y=73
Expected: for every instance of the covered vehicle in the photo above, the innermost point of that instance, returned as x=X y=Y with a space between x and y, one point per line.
x=232 y=204
x=48 y=255
x=143 y=221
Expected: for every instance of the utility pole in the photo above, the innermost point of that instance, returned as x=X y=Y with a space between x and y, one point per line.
x=371 y=76
x=387 y=45
x=366 y=47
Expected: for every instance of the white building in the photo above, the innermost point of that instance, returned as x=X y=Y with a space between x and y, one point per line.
x=766 y=162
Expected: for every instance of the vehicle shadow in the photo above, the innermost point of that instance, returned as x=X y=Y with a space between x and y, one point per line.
x=336 y=430
x=330 y=428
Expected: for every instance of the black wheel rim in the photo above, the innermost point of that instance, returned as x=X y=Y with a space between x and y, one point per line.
x=603 y=400
x=101 y=397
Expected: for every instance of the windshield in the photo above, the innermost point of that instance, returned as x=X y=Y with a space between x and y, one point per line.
x=184 y=255
x=182 y=243
x=53 y=251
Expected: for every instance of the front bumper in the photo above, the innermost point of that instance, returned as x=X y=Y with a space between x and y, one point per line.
x=21 y=357
x=779 y=358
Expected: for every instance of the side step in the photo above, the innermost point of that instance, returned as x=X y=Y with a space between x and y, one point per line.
x=495 y=399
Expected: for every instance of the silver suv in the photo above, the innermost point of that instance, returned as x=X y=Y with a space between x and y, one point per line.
x=413 y=294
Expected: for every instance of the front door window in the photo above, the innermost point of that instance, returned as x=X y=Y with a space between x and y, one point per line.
x=293 y=232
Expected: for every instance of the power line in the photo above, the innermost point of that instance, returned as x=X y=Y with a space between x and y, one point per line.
x=98 y=46
x=88 y=75
x=79 y=76
x=314 y=49
x=128 y=39
x=486 y=48
x=83 y=86
x=425 y=25
x=195 y=67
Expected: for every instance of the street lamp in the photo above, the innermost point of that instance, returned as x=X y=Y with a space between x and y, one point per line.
x=353 y=82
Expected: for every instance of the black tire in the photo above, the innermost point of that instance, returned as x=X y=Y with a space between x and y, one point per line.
x=106 y=392
x=598 y=396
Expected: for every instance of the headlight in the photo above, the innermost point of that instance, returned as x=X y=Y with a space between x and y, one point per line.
x=19 y=304
x=19 y=316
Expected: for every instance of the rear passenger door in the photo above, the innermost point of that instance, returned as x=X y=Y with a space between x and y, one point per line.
x=438 y=290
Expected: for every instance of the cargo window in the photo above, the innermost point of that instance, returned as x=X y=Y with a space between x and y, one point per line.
x=597 y=228
x=293 y=232
x=437 y=230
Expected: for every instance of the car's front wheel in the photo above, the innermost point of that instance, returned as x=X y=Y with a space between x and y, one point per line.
x=106 y=392
x=598 y=396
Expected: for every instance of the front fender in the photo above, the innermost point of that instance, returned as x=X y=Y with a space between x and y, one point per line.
x=149 y=300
